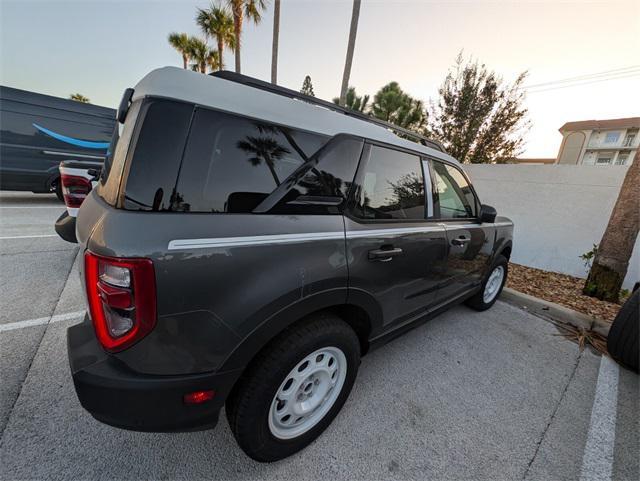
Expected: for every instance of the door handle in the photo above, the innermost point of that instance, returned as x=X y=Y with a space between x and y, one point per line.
x=460 y=241
x=384 y=255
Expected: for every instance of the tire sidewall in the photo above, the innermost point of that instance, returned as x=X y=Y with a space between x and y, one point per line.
x=500 y=261
x=273 y=447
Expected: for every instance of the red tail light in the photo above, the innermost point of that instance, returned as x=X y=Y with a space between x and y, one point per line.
x=122 y=299
x=74 y=189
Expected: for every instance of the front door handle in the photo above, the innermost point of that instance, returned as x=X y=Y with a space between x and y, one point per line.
x=384 y=255
x=460 y=241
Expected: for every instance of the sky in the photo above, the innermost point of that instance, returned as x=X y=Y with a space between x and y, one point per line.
x=101 y=47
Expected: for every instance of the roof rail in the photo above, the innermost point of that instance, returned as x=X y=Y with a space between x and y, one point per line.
x=276 y=89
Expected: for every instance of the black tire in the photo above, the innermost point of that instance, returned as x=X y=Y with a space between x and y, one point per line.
x=477 y=301
x=58 y=190
x=248 y=407
x=622 y=341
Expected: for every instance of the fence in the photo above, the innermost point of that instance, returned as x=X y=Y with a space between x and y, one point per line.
x=559 y=211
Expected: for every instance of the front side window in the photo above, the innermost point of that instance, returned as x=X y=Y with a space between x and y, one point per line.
x=390 y=186
x=231 y=164
x=455 y=196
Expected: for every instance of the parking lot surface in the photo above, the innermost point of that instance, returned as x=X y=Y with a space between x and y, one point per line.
x=492 y=395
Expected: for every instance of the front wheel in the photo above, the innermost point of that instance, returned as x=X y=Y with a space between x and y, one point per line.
x=492 y=285
x=294 y=388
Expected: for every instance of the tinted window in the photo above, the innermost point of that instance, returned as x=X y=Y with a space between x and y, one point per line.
x=390 y=186
x=232 y=164
x=155 y=163
x=455 y=197
x=116 y=156
x=326 y=177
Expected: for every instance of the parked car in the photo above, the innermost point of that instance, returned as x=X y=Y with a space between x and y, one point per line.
x=246 y=246
x=77 y=180
x=38 y=131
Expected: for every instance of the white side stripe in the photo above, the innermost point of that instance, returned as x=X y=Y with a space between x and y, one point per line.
x=28 y=236
x=40 y=321
x=205 y=243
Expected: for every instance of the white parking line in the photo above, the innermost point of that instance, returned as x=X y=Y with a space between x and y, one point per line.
x=32 y=207
x=597 y=462
x=28 y=236
x=40 y=321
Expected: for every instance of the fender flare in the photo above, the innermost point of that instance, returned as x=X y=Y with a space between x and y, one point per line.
x=336 y=298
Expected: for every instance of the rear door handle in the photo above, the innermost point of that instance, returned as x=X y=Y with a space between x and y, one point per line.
x=384 y=255
x=460 y=241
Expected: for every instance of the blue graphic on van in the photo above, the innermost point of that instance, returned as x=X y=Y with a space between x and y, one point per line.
x=70 y=140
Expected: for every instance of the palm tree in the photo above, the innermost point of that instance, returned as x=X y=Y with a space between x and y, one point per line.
x=350 y=48
x=180 y=41
x=79 y=98
x=252 y=9
x=616 y=247
x=274 y=45
x=216 y=22
x=263 y=149
x=354 y=101
x=199 y=53
x=213 y=60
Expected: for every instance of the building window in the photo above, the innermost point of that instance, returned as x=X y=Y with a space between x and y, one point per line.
x=629 y=139
x=622 y=159
x=611 y=137
x=604 y=158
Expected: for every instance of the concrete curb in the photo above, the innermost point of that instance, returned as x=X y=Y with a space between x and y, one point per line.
x=555 y=312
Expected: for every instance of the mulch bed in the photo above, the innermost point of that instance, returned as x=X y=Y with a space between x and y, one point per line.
x=559 y=288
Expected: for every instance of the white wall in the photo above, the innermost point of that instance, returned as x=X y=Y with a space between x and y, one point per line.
x=559 y=211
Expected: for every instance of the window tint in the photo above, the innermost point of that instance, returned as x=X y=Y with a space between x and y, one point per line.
x=328 y=176
x=390 y=186
x=116 y=156
x=155 y=163
x=455 y=197
x=232 y=164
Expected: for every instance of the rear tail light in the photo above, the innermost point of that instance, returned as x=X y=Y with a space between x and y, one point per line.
x=122 y=299
x=74 y=189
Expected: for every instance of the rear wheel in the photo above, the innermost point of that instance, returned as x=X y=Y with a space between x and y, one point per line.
x=492 y=285
x=622 y=341
x=294 y=388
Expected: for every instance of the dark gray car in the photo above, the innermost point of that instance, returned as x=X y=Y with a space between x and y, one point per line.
x=246 y=245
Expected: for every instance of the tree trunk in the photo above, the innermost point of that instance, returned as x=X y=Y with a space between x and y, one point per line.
x=352 y=43
x=220 y=49
x=237 y=28
x=274 y=46
x=614 y=251
x=185 y=61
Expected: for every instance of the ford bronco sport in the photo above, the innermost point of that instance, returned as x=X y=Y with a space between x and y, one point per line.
x=246 y=245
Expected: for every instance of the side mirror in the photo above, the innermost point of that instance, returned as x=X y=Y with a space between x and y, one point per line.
x=487 y=214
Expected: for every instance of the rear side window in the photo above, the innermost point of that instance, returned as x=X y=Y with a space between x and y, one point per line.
x=231 y=164
x=454 y=194
x=153 y=168
x=390 y=186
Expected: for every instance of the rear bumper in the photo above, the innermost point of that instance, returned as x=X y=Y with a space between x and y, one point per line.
x=120 y=397
x=66 y=227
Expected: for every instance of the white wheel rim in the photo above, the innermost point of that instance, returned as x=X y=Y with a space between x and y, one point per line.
x=307 y=393
x=492 y=287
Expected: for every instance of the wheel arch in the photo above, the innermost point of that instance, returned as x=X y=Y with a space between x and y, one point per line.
x=360 y=311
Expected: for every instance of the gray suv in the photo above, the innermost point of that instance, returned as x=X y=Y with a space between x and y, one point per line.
x=246 y=245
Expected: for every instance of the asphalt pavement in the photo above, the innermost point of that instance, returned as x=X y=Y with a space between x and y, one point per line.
x=492 y=395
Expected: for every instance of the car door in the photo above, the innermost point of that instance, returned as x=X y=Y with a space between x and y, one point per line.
x=396 y=251
x=470 y=243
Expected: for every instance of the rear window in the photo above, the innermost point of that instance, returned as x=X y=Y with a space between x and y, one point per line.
x=231 y=164
x=116 y=156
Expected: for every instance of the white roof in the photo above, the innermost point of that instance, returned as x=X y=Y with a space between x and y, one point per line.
x=233 y=97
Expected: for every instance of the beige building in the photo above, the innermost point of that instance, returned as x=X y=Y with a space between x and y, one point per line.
x=599 y=142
